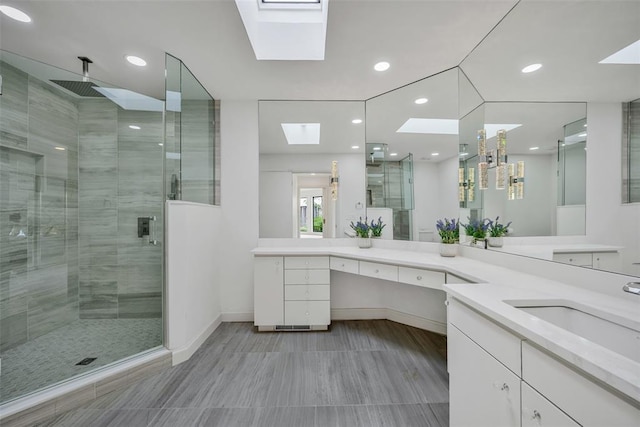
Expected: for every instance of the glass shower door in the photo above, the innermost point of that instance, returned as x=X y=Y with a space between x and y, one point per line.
x=80 y=287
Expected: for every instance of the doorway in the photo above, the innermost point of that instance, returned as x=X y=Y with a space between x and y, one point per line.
x=314 y=208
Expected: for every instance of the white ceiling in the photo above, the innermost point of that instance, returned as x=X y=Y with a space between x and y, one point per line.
x=418 y=37
x=492 y=40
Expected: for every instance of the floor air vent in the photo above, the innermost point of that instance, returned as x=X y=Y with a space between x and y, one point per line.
x=293 y=327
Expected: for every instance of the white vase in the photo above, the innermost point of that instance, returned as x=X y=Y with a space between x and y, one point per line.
x=495 y=242
x=448 y=249
x=364 y=242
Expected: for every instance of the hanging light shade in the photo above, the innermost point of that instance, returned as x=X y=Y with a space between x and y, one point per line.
x=334 y=180
x=501 y=159
x=483 y=165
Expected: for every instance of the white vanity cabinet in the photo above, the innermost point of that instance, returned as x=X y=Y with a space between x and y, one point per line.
x=307 y=292
x=291 y=292
x=598 y=260
x=420 y=277
x=268 y=291
x=482 y=391
x=537 y=411
x=495 y=376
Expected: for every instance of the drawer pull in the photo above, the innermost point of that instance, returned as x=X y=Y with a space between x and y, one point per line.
x=377 y=271
x=307 y=313
x=536 y=415
x=419 y=277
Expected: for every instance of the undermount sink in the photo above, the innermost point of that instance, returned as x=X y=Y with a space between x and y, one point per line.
x=618 y=334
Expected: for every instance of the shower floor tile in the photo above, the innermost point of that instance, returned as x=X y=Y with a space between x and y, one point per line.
x=53 y=357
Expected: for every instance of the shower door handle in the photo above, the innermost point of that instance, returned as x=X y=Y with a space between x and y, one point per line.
x=152 y=237
x=147 y=227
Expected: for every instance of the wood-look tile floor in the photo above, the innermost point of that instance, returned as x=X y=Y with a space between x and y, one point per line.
x=360 y=373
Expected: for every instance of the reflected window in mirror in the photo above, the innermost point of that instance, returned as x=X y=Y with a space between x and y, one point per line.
x=631 y=152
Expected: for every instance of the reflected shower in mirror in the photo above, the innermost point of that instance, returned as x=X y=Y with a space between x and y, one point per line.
x=412 y=149
x=299 y=143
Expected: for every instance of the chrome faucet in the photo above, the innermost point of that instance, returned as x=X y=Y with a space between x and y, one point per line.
x=632 y=288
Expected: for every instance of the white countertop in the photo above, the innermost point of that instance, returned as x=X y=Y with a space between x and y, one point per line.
x=497 y=284
x=546 y=251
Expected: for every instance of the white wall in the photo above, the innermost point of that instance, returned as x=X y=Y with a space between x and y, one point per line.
x=425 y=194
x=447 y=203
x=275 y=201
x=539 y=196
x=193 y=308
x=239 y=234
x=605 y=212
x=351 y=189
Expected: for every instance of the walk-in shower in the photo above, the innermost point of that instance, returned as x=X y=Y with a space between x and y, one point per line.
x=79 y=289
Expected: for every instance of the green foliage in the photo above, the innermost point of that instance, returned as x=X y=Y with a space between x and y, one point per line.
x=317 y=224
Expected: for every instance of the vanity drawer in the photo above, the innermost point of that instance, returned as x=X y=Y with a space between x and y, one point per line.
x=307 y=277
x=306 y=293
x=582 y=399
x=418 y=277
x=379 y=271
x=583 y=259
x=497 y=341
x=344 y=264
x=304 y=262
x=307 y=313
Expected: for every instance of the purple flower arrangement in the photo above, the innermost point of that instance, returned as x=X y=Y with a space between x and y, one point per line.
x=449 y=230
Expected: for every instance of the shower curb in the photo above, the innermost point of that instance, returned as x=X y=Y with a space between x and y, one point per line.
x=61 y=398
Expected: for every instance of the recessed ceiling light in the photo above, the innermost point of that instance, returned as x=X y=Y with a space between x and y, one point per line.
x=582 y=134
x=60 y=148
x=381 y=66
x=160 y=144
x=14 y=13
x=421 y=101
x=393 y=154
x=435 y=154
x=531 y=68
x=627 y=55
x=356 y=121
x=134 y=127
x=355 y=147
x=534 y=148
x=136 y=60
x=585 y=125
x=464 y=154
x=377 y=148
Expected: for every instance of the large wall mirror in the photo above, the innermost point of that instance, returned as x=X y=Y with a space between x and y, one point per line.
x=418 y=162
x=299 y=143
x=549 y=140
x=412 y=155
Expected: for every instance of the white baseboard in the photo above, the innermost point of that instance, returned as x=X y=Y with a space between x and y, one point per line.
x=358 y=313
x=183 y=354
x=237 y=317
x=417 y=321
x=389 y=314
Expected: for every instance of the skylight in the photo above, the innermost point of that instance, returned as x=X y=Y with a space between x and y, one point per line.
x=285 y=29
x=627 y=55
x=301 y=133
x=433 y=126
x=130 y=100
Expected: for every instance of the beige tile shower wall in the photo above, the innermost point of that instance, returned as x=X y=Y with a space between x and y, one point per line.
x=38 y=194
